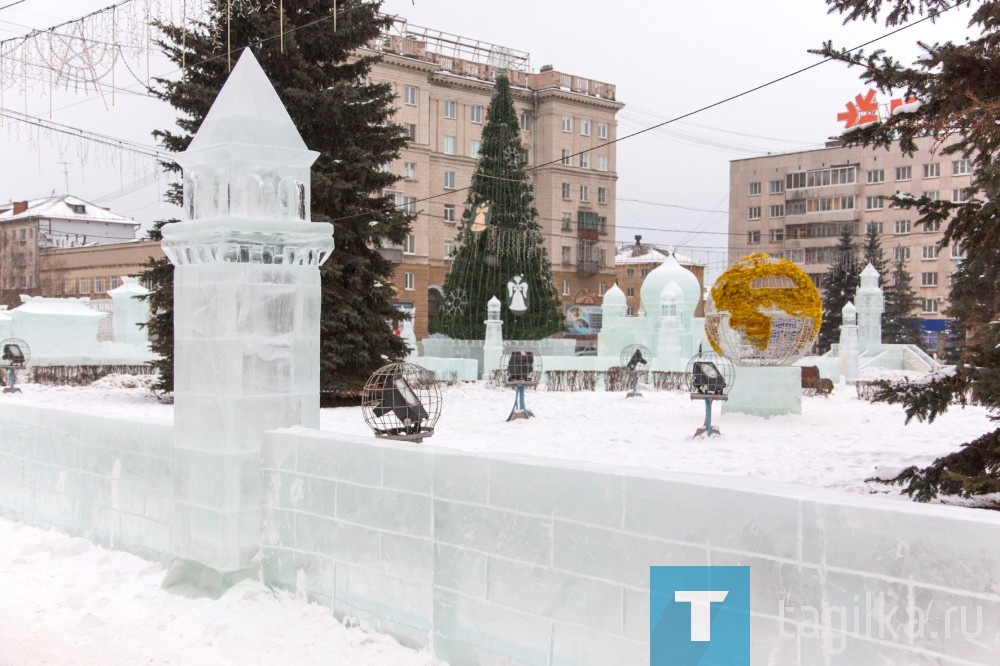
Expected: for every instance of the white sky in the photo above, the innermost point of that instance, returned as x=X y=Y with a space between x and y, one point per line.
x=667 y=59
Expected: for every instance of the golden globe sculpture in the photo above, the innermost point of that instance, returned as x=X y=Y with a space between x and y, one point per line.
x=767 y=312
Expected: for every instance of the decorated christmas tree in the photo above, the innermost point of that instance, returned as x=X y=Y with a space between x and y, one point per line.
x=500 y=247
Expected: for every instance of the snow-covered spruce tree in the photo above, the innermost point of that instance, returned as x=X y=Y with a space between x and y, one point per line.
x=959 y=100
x=338 y=113
x=900 y=326
x=499 y=238
x=839 y=284
x=874 y=254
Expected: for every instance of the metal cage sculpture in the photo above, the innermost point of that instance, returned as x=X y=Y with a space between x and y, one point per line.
x=14 y=356
x=709 y=378
x=402 y=401
x=635 y=360
x=790 y=338
x=521 y=367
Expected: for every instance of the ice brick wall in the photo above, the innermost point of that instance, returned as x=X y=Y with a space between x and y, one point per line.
x=494 y=560
x=103 y=478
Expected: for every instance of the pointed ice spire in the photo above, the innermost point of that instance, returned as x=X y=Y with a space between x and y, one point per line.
x=248 y=111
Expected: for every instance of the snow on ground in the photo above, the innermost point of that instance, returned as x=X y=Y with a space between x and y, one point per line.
x=837 y=442
x=66 y=601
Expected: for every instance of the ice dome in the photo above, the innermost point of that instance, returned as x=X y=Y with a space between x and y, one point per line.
x=669 y=271
x=614 y=296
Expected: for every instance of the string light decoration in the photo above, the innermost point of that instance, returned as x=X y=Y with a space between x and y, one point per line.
x=767 y=312
x=499 y=238
x=402 y=401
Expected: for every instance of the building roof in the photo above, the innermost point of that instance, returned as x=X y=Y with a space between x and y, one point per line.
x=63 y=207
x=647 y=254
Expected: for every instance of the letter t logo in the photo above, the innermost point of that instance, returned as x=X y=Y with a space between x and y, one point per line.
x=701 y=610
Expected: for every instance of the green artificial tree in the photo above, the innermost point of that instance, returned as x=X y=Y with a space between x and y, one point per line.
x=899 y=325
x=321 y=77
x=499 y=240
x=841 y=282
x=955 y=84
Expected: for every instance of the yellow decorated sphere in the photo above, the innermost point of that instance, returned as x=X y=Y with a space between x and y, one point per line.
x=767 y=312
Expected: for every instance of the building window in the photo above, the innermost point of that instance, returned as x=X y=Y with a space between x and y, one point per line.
x=565 y=191
x=584 y=127
x=410 y=170
x=566 y=258
x=929 y=305
x=904 y=173
x=900 y=253
x=875 y=176
x=874 y=203
x=932 y=170
x=565 y=289
x=408 y=281
x=629 y=273
x=98 y=285
x=753 y=237
x=567 y=123
x=450 y=109
x=602 y=162
x=410 y=245
x=68 y=284
x=928 y=279
x=411 y=131
x=602 y=130
x=584 y=160
x=753 y=213
x=567 y=221
x=449 y=249
x=901 y=227
x=566 y=154
x=584 y=193
x=526 y=121
x=753 y=189
x=956 y=253
x=930 y=251
x=961 y=195
x=600 y=285
x=778 y=210
x=476 y=114
x=776 y=235
x=934 y=225
x=449 y=212
x=83 y=286
x=410 y=95
x=874 y=226
x=474 y=147
x=448 y=145
x=777 y=186
x=630 y=291
x=385 y=167
x=602 y=195
x=961 y=167
x=449 y=180
x=933 y=195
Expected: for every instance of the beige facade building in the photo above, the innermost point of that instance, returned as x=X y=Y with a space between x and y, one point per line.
x=93 y=270
x=443 y=86
x=795 y=205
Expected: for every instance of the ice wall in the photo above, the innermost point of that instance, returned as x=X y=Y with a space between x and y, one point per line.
x=503 y=560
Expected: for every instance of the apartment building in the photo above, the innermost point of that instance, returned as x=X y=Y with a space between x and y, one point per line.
x=796 y=205
x=28 y=228
x=443 y=85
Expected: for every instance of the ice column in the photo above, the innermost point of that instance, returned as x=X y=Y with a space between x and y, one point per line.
x=246 y=320
x=849 y=342
x=409 y=337
x=129 y=310
x=870 y=303
x=493 y=345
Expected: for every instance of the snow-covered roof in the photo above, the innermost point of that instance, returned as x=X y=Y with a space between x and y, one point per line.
x=74 y=307
x=64 y=207
x=627 y=255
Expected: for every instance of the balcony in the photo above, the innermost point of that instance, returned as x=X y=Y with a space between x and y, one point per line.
x=392 y=254
x=588 y=267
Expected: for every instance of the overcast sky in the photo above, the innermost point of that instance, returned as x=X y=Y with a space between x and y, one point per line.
x=667 y=60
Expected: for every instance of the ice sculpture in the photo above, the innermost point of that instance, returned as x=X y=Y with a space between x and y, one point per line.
x=246 y=320
x=130 y=310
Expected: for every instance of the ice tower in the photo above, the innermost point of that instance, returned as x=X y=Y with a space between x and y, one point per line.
x=870 y=302
x=246 y=320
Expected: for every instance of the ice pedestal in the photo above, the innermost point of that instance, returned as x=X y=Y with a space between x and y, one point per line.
x=765 y=391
